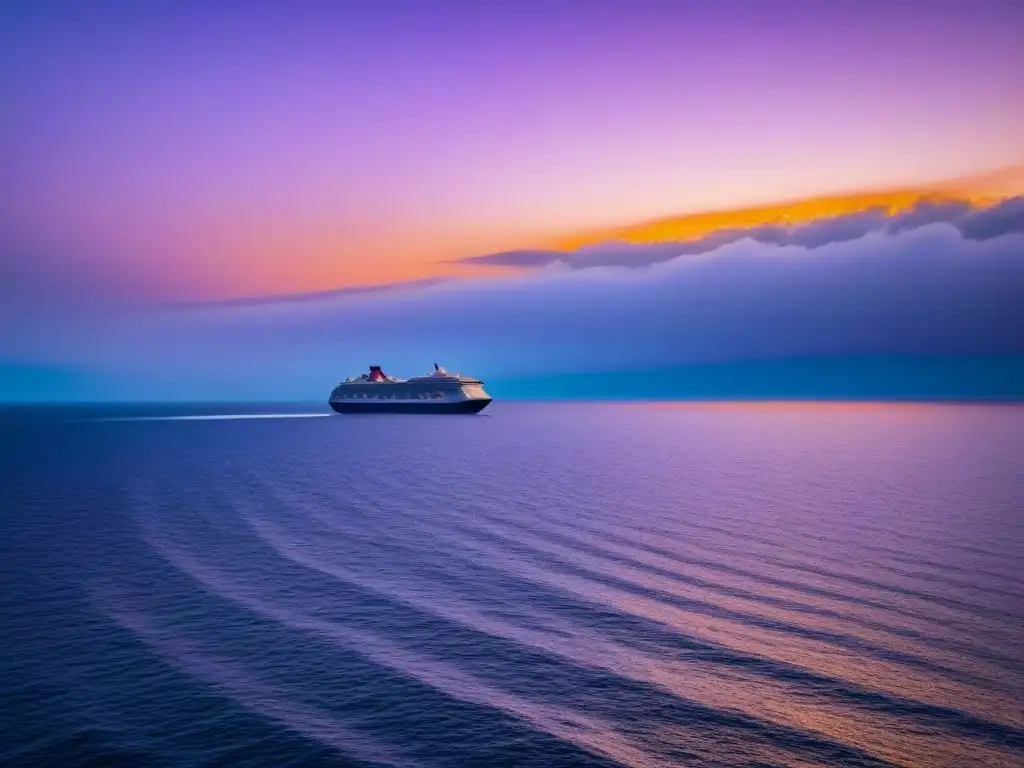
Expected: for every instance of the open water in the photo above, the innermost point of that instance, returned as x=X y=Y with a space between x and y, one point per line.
x=540 y=585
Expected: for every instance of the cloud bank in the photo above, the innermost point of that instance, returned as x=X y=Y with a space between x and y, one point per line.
x=927 y=288
x=1002 y=218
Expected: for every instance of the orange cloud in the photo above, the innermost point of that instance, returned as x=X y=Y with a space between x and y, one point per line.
x=981 y=189
x=271 y=257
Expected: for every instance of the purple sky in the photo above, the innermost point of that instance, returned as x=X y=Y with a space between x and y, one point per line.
x=199 y=150
x=203 y=151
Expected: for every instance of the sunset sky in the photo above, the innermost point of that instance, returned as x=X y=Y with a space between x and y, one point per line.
x=167 y=152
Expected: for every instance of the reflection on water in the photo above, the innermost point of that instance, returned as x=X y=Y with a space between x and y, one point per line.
x=655 y=585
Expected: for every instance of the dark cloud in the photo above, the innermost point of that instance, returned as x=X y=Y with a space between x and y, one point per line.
x=976 y=224
x=928 y=212
x=520 y=258
x=1005 y=218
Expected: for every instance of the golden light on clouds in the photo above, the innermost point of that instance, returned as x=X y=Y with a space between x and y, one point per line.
x=982 y=189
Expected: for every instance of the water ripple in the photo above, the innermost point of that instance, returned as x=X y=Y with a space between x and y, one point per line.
x=552 y=586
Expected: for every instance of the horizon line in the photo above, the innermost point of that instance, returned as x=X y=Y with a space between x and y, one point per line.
x=909 y=400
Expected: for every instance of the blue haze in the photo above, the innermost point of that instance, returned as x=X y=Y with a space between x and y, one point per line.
x=911 y=302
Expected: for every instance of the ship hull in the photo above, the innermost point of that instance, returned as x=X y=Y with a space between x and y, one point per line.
x=381 y=406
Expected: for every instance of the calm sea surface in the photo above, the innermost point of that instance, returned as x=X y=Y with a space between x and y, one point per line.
x=540 y=585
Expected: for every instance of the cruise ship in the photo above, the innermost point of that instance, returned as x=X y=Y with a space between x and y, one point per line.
x=438 y=392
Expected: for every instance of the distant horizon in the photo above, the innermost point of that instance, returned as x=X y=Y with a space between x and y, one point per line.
x=940 y=379
x=519 y=399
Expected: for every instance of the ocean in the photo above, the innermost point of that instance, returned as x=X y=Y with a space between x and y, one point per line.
x=544 y=584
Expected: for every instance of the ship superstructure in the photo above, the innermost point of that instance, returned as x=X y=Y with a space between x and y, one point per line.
x=438 y=392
